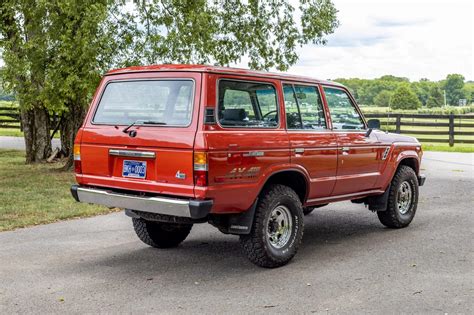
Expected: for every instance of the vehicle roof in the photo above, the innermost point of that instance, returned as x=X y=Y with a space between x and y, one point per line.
x=216 y=69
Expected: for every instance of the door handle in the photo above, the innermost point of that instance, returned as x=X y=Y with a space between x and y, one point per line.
x=299 y=150
x=345 y=150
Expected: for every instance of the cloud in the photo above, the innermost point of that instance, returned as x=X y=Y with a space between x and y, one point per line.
x=408 y=38
x=339 y=41
x=381 y=22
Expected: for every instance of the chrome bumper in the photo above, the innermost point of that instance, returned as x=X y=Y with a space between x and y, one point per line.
x=195 y=209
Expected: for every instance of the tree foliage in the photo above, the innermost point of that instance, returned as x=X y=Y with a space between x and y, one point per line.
x=383 y=98
x=222 y=32
x=436 y=98
x=404 y=98
x=453 y=86
x=55 y=51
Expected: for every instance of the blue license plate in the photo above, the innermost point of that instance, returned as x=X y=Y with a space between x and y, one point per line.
x=135 y=169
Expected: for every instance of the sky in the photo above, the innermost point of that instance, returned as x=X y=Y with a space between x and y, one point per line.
x=409 y=38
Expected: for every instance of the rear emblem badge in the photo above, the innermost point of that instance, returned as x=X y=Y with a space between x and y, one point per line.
x=180 y=175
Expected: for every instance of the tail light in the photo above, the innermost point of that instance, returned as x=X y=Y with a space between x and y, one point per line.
x=200 y=168
x=77 y=159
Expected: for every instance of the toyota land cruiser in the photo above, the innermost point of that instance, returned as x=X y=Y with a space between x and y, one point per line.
x=248 y=152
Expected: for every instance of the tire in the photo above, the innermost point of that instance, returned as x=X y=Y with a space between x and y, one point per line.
x=160 y=234
x=402 y=199
x=277 y=228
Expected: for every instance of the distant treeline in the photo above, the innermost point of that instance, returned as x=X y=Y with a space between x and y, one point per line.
x=400 y=93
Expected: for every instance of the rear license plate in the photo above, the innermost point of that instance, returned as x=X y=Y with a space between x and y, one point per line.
x=135 y=169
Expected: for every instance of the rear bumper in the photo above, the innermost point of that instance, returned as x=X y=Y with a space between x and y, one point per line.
x=188 y=208
x=421 y=179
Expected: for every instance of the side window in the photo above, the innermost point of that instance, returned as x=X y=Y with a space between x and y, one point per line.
x=304 y=108
x=343 y=113
x=247 y=104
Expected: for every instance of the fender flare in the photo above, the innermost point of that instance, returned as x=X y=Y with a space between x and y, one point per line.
x=288 y=168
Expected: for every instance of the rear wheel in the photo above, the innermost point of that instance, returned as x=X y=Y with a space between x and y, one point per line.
x=402 y=199
x=277 y=229
x=161 y=234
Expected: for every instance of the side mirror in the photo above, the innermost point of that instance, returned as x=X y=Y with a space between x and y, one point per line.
x=373 y=124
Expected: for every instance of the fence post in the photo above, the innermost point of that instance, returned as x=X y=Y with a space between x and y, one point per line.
x=398 y=123
x=451 y=130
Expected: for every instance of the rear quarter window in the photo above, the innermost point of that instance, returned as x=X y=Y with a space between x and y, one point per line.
x=168 y=102
x=247 y=104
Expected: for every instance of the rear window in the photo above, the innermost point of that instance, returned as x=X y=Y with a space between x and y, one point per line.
x=164 y=102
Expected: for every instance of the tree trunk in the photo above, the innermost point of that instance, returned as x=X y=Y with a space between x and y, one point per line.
x=70 y=124
x=36 y=128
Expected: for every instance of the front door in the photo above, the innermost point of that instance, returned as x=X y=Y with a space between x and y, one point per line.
x=358 y=156
x=312 y=144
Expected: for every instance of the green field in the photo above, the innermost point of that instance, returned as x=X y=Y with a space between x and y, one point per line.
x=37 y=194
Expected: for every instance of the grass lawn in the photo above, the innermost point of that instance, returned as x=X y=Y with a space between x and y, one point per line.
x=11 y=132
x=36 y=194
x=441 y=147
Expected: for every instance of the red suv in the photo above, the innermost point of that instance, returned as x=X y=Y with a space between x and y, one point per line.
x=249 y=152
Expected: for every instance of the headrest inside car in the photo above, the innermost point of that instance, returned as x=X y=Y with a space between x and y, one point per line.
x=234 y=114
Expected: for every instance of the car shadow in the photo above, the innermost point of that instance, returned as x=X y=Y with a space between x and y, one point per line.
x=329 y=236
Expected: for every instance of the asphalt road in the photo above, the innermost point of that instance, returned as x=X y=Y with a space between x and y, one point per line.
x=18 y=143
x=348 y=262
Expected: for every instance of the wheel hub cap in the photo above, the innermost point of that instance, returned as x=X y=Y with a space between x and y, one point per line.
x=404 y=198
x=279 y=226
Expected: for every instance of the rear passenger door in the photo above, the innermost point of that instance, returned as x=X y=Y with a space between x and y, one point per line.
x=312 y=144
x=246 y=141
x=358 y=155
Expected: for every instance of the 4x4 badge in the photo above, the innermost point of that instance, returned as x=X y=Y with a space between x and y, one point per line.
x=180 y=175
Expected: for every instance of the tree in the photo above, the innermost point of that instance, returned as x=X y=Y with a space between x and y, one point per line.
x=453 y=87
x=54 y=51
x=383 y=98
x=404 y=98
x=422 y=89
x=389 y=77
x=436 y=98
x=82 y=45
x=24 y=46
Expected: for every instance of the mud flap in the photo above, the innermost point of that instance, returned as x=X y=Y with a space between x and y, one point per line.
x=237 y=224
x=380 y=202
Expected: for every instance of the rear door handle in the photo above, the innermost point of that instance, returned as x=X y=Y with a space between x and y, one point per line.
x=299 y=150
x=345 y=150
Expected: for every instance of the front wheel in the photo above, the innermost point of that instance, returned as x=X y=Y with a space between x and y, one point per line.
x=402 y=199
x=277 y=229
x=161 y=234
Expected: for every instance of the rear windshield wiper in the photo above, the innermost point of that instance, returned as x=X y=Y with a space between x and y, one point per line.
x=143 y=122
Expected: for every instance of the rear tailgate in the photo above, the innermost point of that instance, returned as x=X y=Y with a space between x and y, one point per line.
x=154 y=155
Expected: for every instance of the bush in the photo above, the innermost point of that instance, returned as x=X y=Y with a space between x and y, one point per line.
x=404 y=98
